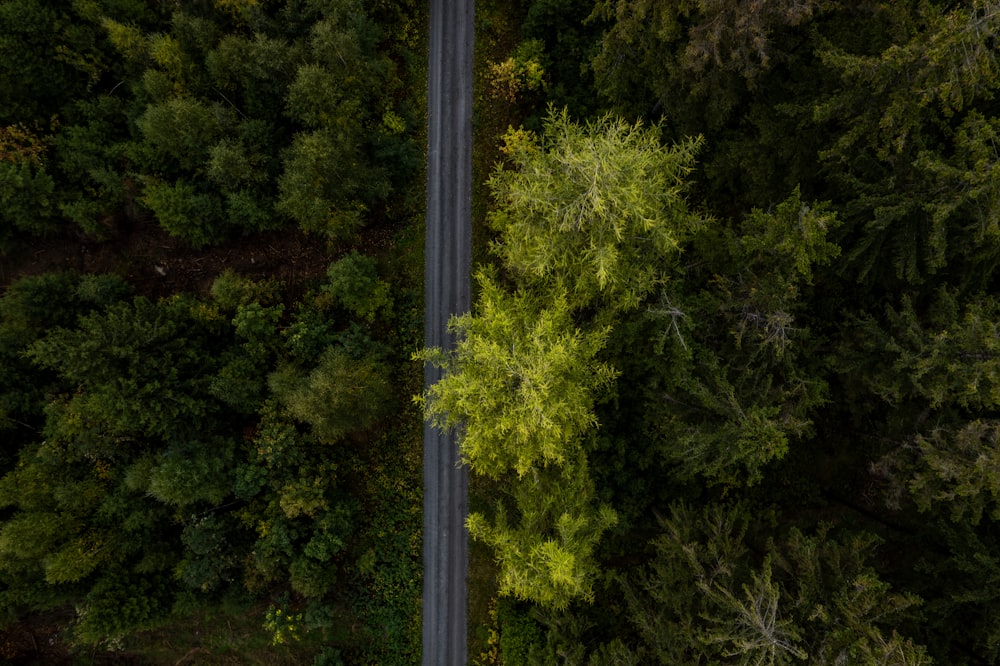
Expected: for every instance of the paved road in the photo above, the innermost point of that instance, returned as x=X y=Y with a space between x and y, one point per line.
x=448 y=256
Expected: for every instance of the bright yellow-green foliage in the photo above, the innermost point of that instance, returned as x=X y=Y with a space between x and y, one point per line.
x=522 y=71
x=283 y=624
x=547 y=555
x=594 y=210
x=522 y=382
x=590 y=221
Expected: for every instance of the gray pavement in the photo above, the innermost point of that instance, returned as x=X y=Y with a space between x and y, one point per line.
x=448 y=257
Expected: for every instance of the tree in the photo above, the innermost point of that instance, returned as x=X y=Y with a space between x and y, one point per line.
x=595 y=211
x=589 y=222
x=521 y=383
x=354 y=283
x=29 y=309
x=27 y=190
x=323 y=176
x=302 y=518
x=707 y=596
x=544 y=547
x=698 y=63
x=137 y=368
x=732 y=354
x=921 y=93
x=47 y=55
x=185 y=210
x=339 y=396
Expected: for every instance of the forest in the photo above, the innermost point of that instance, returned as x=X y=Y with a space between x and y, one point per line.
x=729 y=392
x=211 y=222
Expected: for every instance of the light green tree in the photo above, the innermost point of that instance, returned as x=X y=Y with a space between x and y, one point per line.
x=596 y=211
x=521 y=383
x=545 y=549
x=589 y=223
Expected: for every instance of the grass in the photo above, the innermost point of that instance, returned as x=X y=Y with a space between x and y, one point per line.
x=221 y=636
x=497 y=34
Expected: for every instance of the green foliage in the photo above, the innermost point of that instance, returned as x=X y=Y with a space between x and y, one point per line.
x=145 y=465
x=213 y=553
x=519 y=632
x=254 y=104
x=960 y=469
x=590 y=221
x=302 y=518
x=941 y=365
x=594 y=211
x=93 y=177
x=967 y=561
x=231 y=291
x=386 y=586
x=283 y=624
x=322 y=177
x=311 y=331
x=185 y=211
x=193 y=472
x=29 y=308
x=128 y=435
x=522 y=382
x=733 y=355
x=328 y=657
x=47 y=55
x=183 y=129
x=121 y=605
x=966 y=182
x=915 y=90
x=707 y=596
x=34 y=304
x=27 y=199
x=523 y=71
x=137 y=368
x=560 y=35
x=838 y=359
x=546 y=554
x=354 y=283
x=231 y=167
x=949 y=358
x=339 y=396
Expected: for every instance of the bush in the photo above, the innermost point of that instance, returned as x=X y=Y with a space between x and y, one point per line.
x=341 y=395
x=119 y=604
x=354 y=283
x=518 y=631
x=183 y=211
x=27 y=200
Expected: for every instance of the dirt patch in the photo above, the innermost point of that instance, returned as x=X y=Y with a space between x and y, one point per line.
x=37 y=640
x=158 y=264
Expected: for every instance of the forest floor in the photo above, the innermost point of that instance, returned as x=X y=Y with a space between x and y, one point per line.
x=159 y=265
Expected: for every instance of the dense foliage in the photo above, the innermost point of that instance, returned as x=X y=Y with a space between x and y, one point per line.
x=241 y=449
x=729 y=391
x=217 y=118
x=734 y=374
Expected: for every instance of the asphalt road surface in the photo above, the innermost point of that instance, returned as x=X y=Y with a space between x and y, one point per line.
x=448 y=256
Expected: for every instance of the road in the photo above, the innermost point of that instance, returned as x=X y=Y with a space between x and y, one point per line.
x=448 y=257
